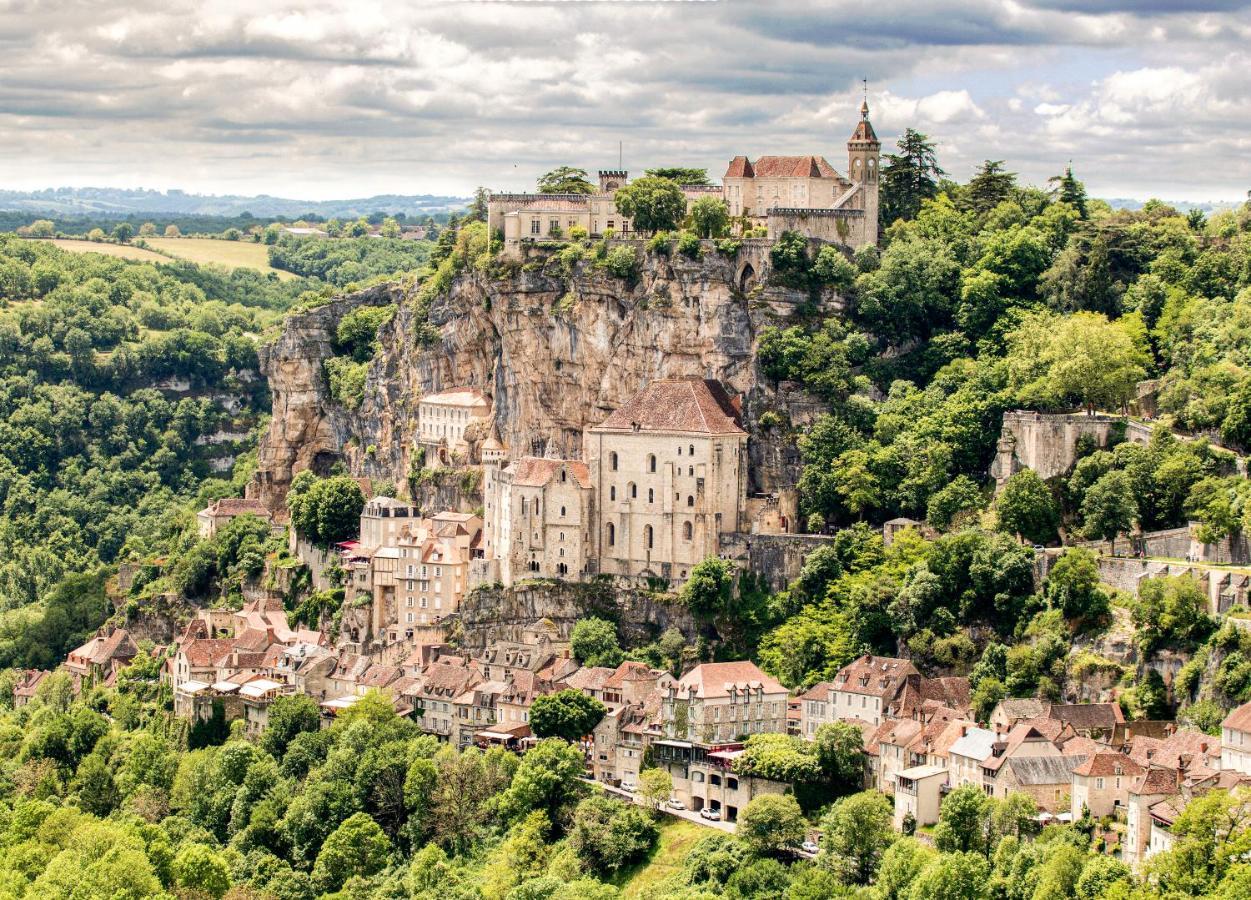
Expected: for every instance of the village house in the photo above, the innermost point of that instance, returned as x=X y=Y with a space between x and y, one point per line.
x=1145 y=790
x=221 y=512
x=445 y=422
x=918 y=794
x=1236 y=740
x=431 y=575
x=27 y=685
x=100 y=659
x=1024 y=741
x=863 y=689
x=966 y=754
x=1101 y=784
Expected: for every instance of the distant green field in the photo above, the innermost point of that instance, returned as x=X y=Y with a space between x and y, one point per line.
x=122 y=250
x=232 y=254
x=677 y=837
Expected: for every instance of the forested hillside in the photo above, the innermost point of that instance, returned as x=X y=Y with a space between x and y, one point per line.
x=114 y=375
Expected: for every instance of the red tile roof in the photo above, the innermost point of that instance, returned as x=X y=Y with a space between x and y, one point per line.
x=1105 y=764
x=680 y=405
x=877 y=676
x=715 y=679
x=1239 y=719
x=781 y=167
x=740 y=167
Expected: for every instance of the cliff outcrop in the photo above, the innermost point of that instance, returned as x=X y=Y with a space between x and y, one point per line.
x=556 y=351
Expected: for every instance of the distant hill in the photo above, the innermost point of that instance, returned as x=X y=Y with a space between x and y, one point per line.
x=122 y=202
x=1185 y=206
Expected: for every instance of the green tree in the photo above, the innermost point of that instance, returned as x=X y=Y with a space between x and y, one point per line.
x=909 y=177
x=1071 y=191
x=327 y=510
x=902 y=862
x=1109 y=507
x=771 y=823
x=1026 y=507
x=608 y=834
x=199 y=868
x=390 y=228
x=710 y=587
x=288 y=717
x=833 y=268
x=652 y=204
x=568 y=714
x=680 y=174
x=840 y=754
x=856 y=832
x=478 y=209
x=655 y=786
x=990 y=186
x=96 y=789
x=123 y=232
x=42 y=228
x=1073 y=586
x=1057 y=361
x=954 y=503
x=964 y=821
x=546 y=780
x=594 y=643
x=953 y=876
x=357 y=847
x=565 y=180
x=710 y=217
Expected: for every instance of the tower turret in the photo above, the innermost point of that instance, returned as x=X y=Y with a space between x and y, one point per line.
x=863 y=159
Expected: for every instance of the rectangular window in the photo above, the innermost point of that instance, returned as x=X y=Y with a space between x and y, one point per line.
x=534 y=226
x=553 y=226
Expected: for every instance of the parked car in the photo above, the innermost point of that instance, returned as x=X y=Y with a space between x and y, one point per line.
x=628 y=786
x=677 y=804
x=712 y=815
x=809 y=847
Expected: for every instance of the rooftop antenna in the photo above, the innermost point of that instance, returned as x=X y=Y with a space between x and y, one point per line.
x=619 y=157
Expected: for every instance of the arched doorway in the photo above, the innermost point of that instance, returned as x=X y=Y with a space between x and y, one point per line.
x=747 y=278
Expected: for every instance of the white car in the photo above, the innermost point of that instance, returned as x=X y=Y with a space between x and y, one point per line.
x=809 y=847
x=710 y=814
x=676 y=804
x=628 y=787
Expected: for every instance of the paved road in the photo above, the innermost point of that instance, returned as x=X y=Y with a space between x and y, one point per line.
x=728 y=827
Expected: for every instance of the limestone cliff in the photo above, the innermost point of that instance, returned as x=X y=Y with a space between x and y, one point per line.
x=555 y=351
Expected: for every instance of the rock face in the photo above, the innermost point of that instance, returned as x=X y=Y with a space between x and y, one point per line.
x=555 y=352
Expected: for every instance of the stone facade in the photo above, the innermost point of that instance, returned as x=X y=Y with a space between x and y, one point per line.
x=443 y=421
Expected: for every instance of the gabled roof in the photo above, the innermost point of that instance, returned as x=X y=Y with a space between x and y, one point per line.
x=877 y=676
x=1018 y=708
x=1104 y=764
x=716 y=680
x=1087 y=715
x=1155 y=780
x=533 y=471
x=792 y=167
x=976 y=744
x=677 y=406
x=1239 y=719
x=740 y=167
x=1042 y=769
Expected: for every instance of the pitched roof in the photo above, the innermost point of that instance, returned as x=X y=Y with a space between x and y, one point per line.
x=236 y=506
x=1020 y=735
x=740 y=167
x=1023 y=707
x=1104 y=764
x=976 y=744
x=1087 y=715
x=1239 y=719
x=1155 y=780
x=533 y=471
x=864 y=132
x=716 y=679
x=877 y=676
x=204 y=652
x=793 y=167
x=678 y=405
x=1042 y=769
x=631 y=670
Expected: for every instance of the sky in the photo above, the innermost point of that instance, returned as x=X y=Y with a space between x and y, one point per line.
x=322 y=99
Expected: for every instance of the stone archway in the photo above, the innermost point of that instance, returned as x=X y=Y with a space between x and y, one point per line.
x=747 y=278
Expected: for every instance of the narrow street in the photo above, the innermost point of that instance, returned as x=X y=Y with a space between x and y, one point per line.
x=687 y=814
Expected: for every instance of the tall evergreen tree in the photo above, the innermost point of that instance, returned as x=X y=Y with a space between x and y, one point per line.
x=990 y=186
x=909 y=177
x=1069 y=190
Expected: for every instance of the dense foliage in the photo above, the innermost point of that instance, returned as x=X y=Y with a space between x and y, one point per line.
x=347 y=260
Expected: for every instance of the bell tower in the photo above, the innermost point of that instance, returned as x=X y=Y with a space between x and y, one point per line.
x=863 y=159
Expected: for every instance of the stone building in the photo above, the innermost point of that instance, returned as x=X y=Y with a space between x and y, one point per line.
x=382 y=519
x=806 y=194
x=1101 y=784
x=538 y=515
x=432 y=572
x=669 y=469
x=524 y=217
x=1236 y=740
x=222 y=512
x=444 y=418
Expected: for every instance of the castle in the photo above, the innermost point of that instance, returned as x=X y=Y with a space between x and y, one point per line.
x=664 y=476
x=804 y=194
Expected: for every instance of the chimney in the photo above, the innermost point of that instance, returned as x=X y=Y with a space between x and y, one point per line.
x=964 y=729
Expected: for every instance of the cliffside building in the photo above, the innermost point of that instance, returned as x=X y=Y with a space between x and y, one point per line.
x=665 y=476
x=442 y=421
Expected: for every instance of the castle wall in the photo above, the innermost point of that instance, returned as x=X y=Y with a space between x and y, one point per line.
x=845 y=227
x=777 y=558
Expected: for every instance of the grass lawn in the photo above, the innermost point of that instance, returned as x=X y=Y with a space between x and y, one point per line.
x=232 y=254
x=677 y=836
x=122 y=250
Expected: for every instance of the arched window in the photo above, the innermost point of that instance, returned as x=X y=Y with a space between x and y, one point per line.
x=651 y=495
x=692 y=449
x=687 y=530
x=679 y=451
x=612 y=492
x=564 y=476
x=690 y=470
x=612 y=461
x=647 y=537
x=562 y=510
x=690 y=501
x=634 y=491
x=611 y=534
x=562 y=569
x=651 y=462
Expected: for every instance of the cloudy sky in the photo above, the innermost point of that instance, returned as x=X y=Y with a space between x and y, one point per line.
x=323 y=100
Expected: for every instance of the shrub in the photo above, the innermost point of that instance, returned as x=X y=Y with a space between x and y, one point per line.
x=661 y=243
x=688 y=244
x=621 y=262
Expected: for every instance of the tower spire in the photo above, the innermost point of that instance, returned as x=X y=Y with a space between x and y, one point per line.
x=864 y=104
